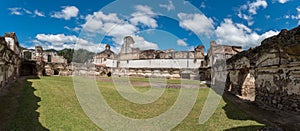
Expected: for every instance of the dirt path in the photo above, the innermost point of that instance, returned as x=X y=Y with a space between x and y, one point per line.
x=278 y=120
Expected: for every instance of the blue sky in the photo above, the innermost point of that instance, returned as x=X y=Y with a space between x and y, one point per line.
x=163 y=24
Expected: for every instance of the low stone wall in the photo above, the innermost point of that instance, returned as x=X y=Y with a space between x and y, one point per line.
x=269 y=74
x=144 y=72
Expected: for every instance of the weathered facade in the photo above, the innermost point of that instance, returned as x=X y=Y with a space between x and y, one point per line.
x=217 y=51
x=101 y=58
x=10 y=59
x=55 y=64
x=270 y=73
x=150 y=63
x=45 y=62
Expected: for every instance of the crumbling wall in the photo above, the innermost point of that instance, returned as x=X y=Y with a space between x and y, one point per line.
x=61 y=69
x=9 y=61
x=240 y=78
x=273 y=67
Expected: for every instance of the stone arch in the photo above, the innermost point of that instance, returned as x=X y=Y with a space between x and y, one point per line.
x=241 y=82
x=56 y=71
x=248 y=90
x=246 y=84
x=242 y=74
x=28 y=68
x=109 y=74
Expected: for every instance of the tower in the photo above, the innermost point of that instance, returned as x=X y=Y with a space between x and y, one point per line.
x=127 y=45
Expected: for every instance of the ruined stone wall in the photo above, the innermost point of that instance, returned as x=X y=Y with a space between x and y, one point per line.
x=85 y=69
x=155 y=67
x=156 y=63
x=53 y=57
x=61 y=69
x=134 y=62
x=9 y=60
x=157 y=72
x=269 y=73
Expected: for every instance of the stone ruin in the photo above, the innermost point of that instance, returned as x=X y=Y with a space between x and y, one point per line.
x=270 y=73
x=10 y=58
x=40 y=62
x=150 y=63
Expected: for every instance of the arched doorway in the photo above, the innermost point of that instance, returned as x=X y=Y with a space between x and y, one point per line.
x=246 y=84
x=56 y=72
x=28 y=68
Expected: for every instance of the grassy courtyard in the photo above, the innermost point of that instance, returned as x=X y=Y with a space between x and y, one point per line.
x=50 y=103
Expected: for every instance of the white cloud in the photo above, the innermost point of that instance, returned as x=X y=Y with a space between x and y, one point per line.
x=97 y=21
x=170 y=6
x=144 y=9
x=67 y=13
x=141 y=43
x=111 y=25
x=59 y=38
x=283 y=1
x=198 y=23
x=181 y=43
x=295 y=17
x=287 y=16
x=27 y=11
x=38 y=13
x=253 y=7
x=15 y=11
x=61 y=41
x=75 y=29
x=247 y=11
x=229 y=33
x=19 y=11
x=144 y=15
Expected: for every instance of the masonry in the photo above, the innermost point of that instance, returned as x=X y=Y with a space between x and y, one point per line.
x=270 y=73
x=10 y=58
x=49 y=63
x=156 y=63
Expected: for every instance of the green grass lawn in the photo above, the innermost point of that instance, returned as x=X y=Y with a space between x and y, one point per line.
x=50 y=103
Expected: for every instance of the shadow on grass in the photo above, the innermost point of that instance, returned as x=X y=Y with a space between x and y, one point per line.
x=21 y=104
x=232 y=113
x=245 y=128
x=235 y=109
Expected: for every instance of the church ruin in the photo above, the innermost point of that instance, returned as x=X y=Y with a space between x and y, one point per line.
x=268 y=74
x=151 y=63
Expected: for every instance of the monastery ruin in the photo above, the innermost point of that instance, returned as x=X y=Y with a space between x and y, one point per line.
x=158 y=63
x=268 y=74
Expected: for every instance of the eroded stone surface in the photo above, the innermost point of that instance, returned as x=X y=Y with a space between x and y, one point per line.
x=270 y=72
x=10 y=58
